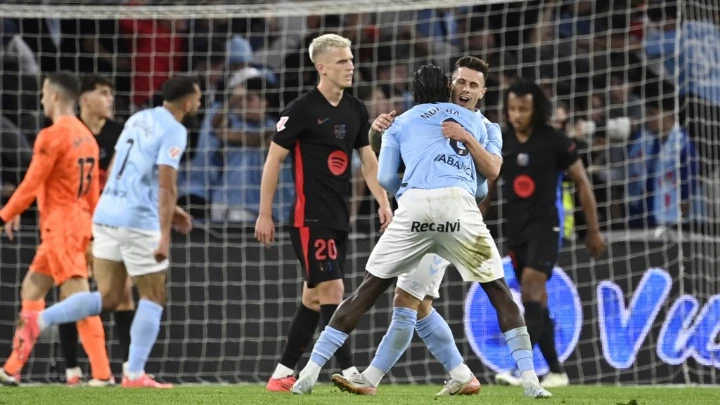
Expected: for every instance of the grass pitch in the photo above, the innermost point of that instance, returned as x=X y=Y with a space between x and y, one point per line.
x=326 y=394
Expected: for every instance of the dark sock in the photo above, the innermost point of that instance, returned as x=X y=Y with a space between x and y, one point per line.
x=123 y=322
x=344 y=354
x=547 y=344
x=69 y=343
x=534 y=320
x=302 y=330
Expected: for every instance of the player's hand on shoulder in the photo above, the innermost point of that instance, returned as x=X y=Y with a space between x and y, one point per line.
x=454 y=131
x=386 y=216
x=383 y=121
x=265 y=229
x=182 y=221
x=595 y=243
x=11 y=227
x=163 y=250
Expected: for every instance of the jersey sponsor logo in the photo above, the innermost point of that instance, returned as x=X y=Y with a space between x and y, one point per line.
x=174 y=152
x=524 y=186
x=338 y=162
x=486 y=339
x=433 y=227
x=281 y=124
x=523 y=159
x=469 y=170
x=340 y=131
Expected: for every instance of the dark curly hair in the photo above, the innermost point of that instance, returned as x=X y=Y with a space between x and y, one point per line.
x=542 y=107
x=430 y=85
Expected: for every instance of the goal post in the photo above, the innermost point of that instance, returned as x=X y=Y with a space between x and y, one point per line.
x=635 y=82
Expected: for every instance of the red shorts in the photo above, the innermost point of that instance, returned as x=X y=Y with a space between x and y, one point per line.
x=61 y=259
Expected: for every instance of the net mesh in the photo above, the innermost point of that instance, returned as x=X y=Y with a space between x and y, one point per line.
x=636 y=83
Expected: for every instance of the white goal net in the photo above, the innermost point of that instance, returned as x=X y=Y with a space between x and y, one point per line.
x=635 y=82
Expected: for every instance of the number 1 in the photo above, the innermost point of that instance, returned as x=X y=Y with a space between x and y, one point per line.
x=122 y=167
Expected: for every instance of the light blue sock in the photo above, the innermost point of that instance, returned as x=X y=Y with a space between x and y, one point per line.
x=438 y=338
x=396 y=340
x=327 y=344
x=72 y=309
x=518 y=340
x=143 y=333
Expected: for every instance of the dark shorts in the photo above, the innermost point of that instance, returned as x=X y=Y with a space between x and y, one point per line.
x=537 y=248
x=321 y=252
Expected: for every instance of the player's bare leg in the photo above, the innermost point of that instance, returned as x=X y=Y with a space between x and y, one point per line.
x=145 y=329
x=540 y=325
x=344 y=321
x=516 y=335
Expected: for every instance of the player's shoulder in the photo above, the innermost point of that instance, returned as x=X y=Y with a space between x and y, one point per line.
x=304 y=102
x=355 y=102
x=112 y=128
x=66 y=128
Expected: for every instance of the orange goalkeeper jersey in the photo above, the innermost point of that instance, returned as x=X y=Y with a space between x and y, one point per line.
x=64 y=177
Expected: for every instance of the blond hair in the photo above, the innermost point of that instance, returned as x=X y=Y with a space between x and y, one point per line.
x=324 y=43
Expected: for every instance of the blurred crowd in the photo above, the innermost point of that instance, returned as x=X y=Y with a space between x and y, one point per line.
x=636 y=83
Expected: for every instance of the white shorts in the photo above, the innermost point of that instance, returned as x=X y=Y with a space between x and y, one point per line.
x=425 y=280
x=133 y=247
x=443 y=221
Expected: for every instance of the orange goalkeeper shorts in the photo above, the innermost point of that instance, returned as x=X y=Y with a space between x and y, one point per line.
x=61 y=259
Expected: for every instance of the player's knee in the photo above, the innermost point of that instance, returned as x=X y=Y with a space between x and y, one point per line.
x=126 y=302
x=425 y=308
x=405 y=300
x=533 y=285
x=157 y=296
x=312 y=303
x=111 y=299
x=72 y=286
x=330 y=292
x=35 y=286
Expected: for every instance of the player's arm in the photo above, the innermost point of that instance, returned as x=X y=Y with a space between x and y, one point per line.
x=576 y=171
x=370 y=173
x=289 y=128
x=167 y=198
x=270 y=175
x=381 y=123
x=389 y=163
x=488 y=161
x=487 y=202
x=45 y=152
x=168 y=160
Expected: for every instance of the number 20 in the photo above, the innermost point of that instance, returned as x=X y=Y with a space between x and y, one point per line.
x=325 y=249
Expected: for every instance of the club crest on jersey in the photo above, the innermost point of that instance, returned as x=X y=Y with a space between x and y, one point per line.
x=340 y=131
x=523 y=159
x=174 y=152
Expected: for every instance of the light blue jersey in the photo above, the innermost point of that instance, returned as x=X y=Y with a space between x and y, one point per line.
x=151 y=138
x=431 y=160
x=493 y=145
